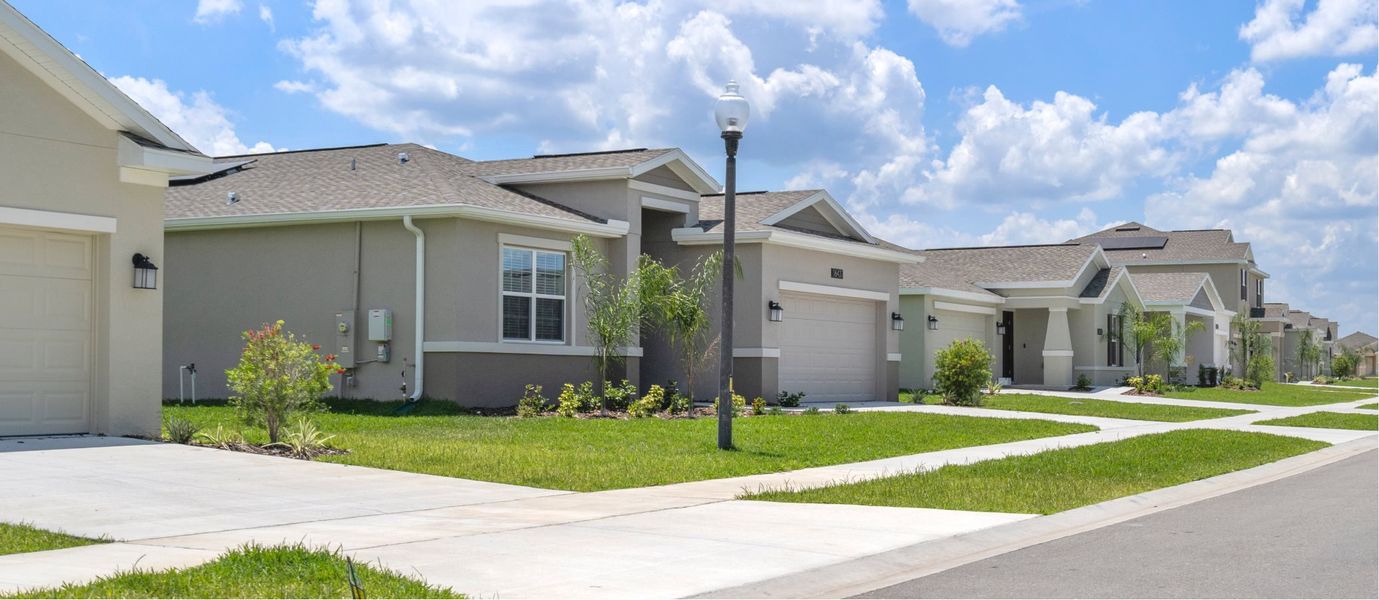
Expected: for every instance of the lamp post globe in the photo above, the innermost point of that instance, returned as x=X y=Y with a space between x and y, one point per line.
x=730 y=114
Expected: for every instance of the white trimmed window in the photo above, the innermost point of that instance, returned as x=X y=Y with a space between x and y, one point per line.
x=533 y=295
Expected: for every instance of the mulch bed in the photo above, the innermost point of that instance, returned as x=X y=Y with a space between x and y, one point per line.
x=276 y=450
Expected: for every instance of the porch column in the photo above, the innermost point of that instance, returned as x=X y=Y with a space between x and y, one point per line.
x=1058 y=350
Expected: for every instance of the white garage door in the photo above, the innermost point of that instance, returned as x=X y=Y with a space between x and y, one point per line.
x=828 y=348
x=45 y=332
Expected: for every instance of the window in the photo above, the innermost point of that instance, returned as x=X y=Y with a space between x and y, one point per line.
x=1259 y=293
x=1244 y=286
x=533 y=295
x=1115 y=350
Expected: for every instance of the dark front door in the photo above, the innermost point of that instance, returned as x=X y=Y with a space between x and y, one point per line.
x=1008 y=345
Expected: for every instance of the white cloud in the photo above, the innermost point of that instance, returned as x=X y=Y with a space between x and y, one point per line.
x=1335 y=28
x=1027 y=228
x=200 y=121
x=266 y=15
x=211 y=11
x=958 y=21
x=294 y=87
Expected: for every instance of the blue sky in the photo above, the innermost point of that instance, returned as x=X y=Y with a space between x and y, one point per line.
x=940 y=122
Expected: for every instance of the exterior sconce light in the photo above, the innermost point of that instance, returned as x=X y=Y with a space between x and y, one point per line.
x=775 y=311
x=145 y=273
x=933 y=323
x=1000 y=329
x=1100 y=332
x=897 y=322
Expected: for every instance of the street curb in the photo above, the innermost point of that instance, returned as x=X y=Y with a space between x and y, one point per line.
x=882 y=570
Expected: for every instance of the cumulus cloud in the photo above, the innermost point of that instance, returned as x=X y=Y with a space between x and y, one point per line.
x=266 y=15
x=1028 y=228
x=198 y=119
x=958 y=21
x=1280 y=31
x=211 y=11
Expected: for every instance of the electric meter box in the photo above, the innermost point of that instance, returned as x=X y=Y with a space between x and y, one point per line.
x=380 y=325
x=344 y=338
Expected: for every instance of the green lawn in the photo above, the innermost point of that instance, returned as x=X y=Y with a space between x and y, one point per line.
x=252 y=572
x=1276 y=394
x=1374 y=406
x=1090 y=407
x=1328 y=420
x=16 y=538
x=1059 y=480
x=1360 y=383
x=601 y=454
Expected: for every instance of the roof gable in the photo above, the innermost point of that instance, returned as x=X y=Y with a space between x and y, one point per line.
x=584 y=166
x=808 y=211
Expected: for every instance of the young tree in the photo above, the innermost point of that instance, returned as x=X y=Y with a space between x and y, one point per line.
x=1251 y=349
x=1309 y=353
x=612 y=307
x=1343 y=365
x=278 y=375
x=676 y=306
x=1140 y=328
x=1170 y=339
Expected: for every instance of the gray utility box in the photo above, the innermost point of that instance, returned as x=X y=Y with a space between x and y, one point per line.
x=380 y=325
x=344 y=338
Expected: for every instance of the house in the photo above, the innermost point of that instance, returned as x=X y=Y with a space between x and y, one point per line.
x=1049 y=313
x=1230 y=264
x=1303 y=325
x=1363 y=345
x=84 y=169
x=1276 y=324
x=452 y=278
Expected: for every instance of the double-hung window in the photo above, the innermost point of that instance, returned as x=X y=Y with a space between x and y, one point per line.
x=1115 y=350
x=1244 y=286
x=533 y=295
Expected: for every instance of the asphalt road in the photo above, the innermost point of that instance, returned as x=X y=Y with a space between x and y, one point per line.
x=1313 y=535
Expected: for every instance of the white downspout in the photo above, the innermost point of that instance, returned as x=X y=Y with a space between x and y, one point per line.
x=421 y=305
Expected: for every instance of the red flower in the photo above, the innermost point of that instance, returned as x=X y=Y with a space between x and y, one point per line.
x=330 y=357
x=315 y=346
x=340 y=371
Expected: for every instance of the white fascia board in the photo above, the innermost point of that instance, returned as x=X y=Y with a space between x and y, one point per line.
x=965 y=308
x=664 y=205
x=1261 y=274
x=684 y=166
x=1212 y=294
x=1135 y=292
x=612 y=229
x=663 y=190
x=170 y=162
x=836 y=216
x=46 y=219
x=833 y=290
x=1201 y=312
x=693 y=236
x=78 y=82
x=954 y=294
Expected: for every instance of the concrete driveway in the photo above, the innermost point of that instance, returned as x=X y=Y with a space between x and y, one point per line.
x=170 y=505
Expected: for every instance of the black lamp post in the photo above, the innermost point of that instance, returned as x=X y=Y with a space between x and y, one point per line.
x=731 y=114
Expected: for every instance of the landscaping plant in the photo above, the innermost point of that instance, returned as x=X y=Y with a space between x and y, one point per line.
x=676 y=307
x=758 y=406
x=1309 y=353
x=789 y=399
x=612 y=306
x=278 y=376
x=1251 y=349
x=841 y=409
x=1343 y=364
x=180 y=431
x=1083 y=383
x=650 y=404
x=960 y=371
x=304 y=438
x=739 y=404
x=567 y=403
x=532 y=403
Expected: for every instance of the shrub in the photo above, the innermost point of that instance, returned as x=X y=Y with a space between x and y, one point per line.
x=758 y=406
x=841 y=409
x=1260 y=368
x=221 y=437
x=619 y=396
x=180 y=431
x=1289 y=377
x=960 y=371
x=277 y=377
x=1149 y=384
x=739 y=404
x=304 y=437
x=1322 y=380
x=1235 y=383
x=532 y=402
x=993 y=387
x=1343 y=365
x=567 y=403
x=813 y=410
x=789 y=399
x=586 y=399
x=679 y=403
x=1084 y=383
x=775 y=411
x=648 y=405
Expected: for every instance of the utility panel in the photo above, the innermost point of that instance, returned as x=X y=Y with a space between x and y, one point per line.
x=380 y=325
x=344 y=338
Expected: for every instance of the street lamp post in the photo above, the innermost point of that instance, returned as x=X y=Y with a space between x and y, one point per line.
x=731 y=114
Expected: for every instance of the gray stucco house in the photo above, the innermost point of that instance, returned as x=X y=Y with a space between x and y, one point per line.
x=469 y=259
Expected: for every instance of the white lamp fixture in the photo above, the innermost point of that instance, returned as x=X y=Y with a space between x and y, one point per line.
x=933 y=323
x=732 y=110
x=1000 y=328
x=145 y=273
x=775 y=311
x=897 y=322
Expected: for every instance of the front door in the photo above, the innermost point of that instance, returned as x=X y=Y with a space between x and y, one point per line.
x=1008 y=345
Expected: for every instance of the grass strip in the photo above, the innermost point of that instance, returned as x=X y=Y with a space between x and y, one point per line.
x=1328 y=420
x=1374 y=406
x=1058 y=480
x=1091 y=407
x=600 y=454
x=1359 y=383
x=253 y=572
x=16 y=538
x=1274 y=394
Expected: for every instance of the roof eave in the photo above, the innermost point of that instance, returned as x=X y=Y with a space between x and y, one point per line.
x=694 y=236
x=611 y=229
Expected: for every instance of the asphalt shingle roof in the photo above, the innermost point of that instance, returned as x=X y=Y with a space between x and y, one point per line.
x=1275 y=310
x=1101 y=284
x=1298 y=318
x=564 y=162
x=1357 y=340
x=1168 y=287
x=348 y=179
x=961 y=269
x=1199 y=244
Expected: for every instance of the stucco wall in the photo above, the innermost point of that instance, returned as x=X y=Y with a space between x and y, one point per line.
x=54 y=157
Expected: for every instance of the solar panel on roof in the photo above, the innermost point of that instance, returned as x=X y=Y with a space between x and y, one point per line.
x=1133 y=243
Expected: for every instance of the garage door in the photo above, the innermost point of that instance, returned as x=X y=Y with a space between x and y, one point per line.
x=828 y=348
x=45 y=332
x=954 y=326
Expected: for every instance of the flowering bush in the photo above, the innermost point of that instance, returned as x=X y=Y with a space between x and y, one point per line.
x=960 y=371
x=278 y=375
x=1149 y=384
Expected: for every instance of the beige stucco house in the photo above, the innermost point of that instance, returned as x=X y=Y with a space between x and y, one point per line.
x=469 y=264
x=1363 y=345
x=84 y=169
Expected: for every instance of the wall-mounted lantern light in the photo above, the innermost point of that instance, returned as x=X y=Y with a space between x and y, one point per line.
x=1000 y=328
x=897 y=322
x=1100 y=332
x=775 y=311
x=145 y=273
x=933 y=323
